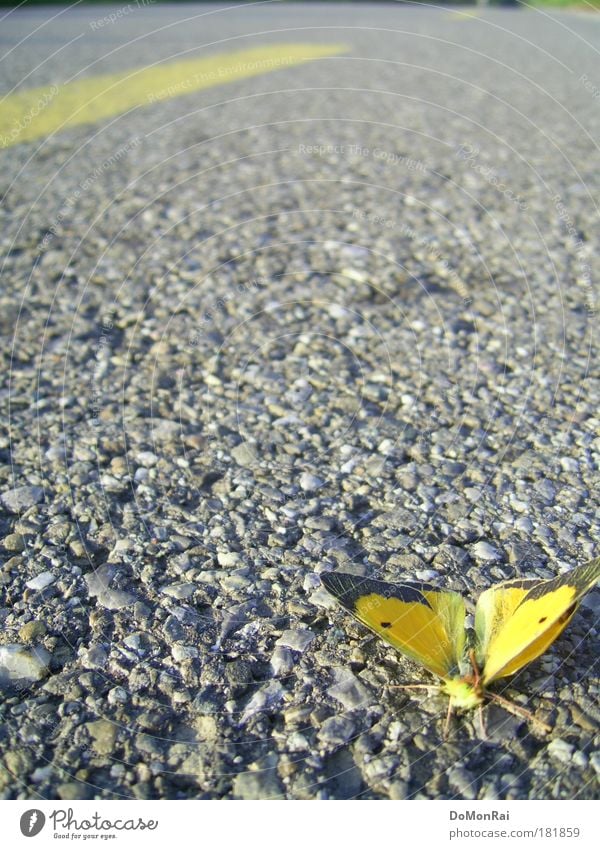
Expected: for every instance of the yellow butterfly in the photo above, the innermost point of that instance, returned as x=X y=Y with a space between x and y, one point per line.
x=515 y=622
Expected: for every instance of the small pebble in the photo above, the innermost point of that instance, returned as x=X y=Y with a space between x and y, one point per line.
x=21 y=498
x=228 y=559
x=337 y=730
x=561 y=750
x=41 y=581
x=104 y=735
x=258 y=785
x=244 y=455
x=297 y=640
x=181 y=653
x=349 y=691
x=14 y=542
x=484 y=551
x=310 y=482
x=32 y=631
x=264 y=700
x=463 y=782
x=21 y=663
x=179 y=591
x=282 y=661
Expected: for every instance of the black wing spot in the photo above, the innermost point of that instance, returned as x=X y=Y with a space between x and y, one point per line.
x=543 y=619
x=386 y=624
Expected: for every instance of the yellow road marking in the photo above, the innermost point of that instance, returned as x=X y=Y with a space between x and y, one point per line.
x=38 y=112
x=463 y=16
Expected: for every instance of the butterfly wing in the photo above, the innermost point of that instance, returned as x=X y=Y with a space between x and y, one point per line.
x=494 y=607
x=517 y=621
x=424 y=623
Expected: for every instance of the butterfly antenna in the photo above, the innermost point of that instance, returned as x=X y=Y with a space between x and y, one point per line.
x=511 y=707
x=413 y=687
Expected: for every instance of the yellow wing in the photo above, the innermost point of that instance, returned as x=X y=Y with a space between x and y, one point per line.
x=494 y=607
x=424 y=623
x=516 y=621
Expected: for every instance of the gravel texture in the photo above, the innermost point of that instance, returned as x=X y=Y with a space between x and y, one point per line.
x=342 y=316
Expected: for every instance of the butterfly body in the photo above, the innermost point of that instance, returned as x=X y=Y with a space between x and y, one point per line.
x=465 y=693
x=515 y=622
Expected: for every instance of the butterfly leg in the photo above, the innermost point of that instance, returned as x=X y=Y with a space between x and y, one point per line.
x=446 y=731
x=482 y=723
x=517 y=710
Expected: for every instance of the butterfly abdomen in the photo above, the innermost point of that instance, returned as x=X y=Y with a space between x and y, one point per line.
x=463 y=693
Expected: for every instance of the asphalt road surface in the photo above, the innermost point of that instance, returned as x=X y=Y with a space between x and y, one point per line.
x=289 y=289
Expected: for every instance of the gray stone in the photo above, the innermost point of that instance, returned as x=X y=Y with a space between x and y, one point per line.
x=146 y=459
x=296 y=639
x=98 y=580
x=74 y=790
x=349 y=691
x=33 y=630
x=244 y=455
x=14 y=542
x=282 y=661
x=181 y=653
x=560 y=750
x=117 y=696
x=463 y=782
x=22 y=498
x=179 y=591
x=173 y=629
x=41 y=581
x=264 y=700
x=337 y=730
x=18 y=663
x=228 y=559
x=164 y=430
x=484 y=551
x=98 y=583
x=116 y=599
x=95 y=656
x=310 y=482
x=258 y=785
x=380 y=768
x=138 y=642
x=104 y=735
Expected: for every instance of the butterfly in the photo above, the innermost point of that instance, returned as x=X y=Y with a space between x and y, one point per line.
x=515 y=622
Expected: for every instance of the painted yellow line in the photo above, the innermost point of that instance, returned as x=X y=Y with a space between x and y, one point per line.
x=463 y=16
x=37 y=112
